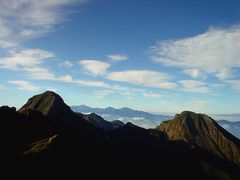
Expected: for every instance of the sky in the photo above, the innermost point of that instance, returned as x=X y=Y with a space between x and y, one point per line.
x=161 y=56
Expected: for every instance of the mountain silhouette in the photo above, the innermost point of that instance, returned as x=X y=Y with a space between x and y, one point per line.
x=46 y=134
x=117 y=124
x=49 y=104
x=98 y=121
x=199 y=130
x=125 y=114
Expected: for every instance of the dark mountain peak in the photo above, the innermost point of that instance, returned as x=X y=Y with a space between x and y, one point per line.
x=117 y=123
x=50 y=93
x=94 y=116
x=202 y=131
x=98 y=121
x=131 y=125
x=7 y=109
x=48 y=103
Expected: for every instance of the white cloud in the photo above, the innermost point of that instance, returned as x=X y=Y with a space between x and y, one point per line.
x=217 y=85
x=225 y=73
x=195 y=73
x=117 y=57
x=30 y=61
x=120 y=88
x=4 y=30
x=103 y=93
x=151 y=95
x=194 y=86
x=145 y=78
x=234 y=83
x=69 y=79
x=138 y=118
x=214 y=52
x=66 y=64
x=7 y=44
x=91 y=83
x=40 y=73
x=94 y=67
x=66 y=78
x=25 y=85
x=24 y=19
x=26 y=58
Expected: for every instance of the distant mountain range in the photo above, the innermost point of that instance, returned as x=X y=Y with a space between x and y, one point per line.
x=232 y=127
x=46 y=135
x=229 y=117
x=148 y=120
x=140 y=118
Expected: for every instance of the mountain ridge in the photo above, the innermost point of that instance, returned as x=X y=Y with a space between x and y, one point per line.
x=125 y=114
x=202 y=131
x=87 y=109
x=39 y=136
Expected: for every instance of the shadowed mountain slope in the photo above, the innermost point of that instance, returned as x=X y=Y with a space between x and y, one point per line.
x=97 y=121
x=117 y=124
x=46 y=135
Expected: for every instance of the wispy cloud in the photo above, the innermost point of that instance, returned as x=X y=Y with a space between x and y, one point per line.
x=152 y=95
x=234 y=83
x=94 y=67
x=40 y=73
x=194 y=86
x=31 y=62
x=25 y=58
x=225 y=73
x=25 y=85
x=66 y=64
x=195 y=73
x=24 y=19
x=103 y=93
x=214 y=52
x=69 y=79
x=117 y=57
x=145 y=78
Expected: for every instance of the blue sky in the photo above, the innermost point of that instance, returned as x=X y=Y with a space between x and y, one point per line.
x=152 y=55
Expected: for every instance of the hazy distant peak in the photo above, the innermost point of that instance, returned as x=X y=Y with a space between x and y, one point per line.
x=110 y=108
x=126 y=108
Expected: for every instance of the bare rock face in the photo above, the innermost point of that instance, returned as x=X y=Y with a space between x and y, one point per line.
x=202 y=131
